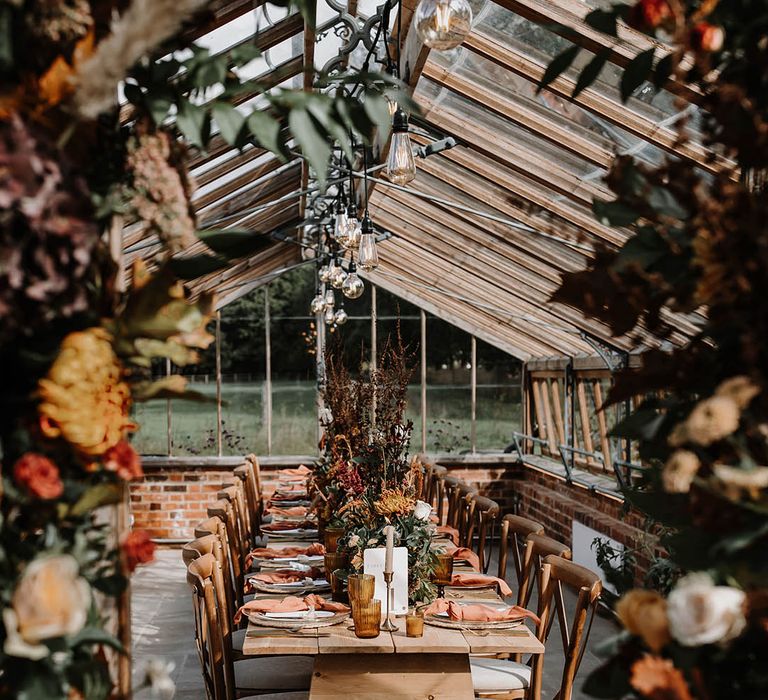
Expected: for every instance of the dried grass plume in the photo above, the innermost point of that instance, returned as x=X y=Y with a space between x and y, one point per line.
x=142 y=27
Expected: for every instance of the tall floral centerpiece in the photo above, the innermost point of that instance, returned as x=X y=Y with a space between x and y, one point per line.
x=80 y=326
x=697 y=253
x=365 y=479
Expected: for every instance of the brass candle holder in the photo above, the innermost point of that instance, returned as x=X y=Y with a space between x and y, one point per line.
x=388 y=625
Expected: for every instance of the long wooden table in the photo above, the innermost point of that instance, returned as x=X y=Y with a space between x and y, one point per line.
x=392 y=666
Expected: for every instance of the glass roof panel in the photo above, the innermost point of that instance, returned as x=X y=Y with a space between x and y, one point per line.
x=542 y=45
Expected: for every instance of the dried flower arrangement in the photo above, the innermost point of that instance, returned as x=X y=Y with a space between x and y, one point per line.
x=364 y=479
x=699 y=247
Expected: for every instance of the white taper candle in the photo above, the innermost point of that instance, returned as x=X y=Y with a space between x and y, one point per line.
x=389 y=531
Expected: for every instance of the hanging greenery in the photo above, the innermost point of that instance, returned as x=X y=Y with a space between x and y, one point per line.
x=697 y=250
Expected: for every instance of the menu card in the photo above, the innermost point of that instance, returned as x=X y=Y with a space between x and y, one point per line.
x=373 y=563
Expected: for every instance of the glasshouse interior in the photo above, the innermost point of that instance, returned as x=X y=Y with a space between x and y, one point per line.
x=407 y=350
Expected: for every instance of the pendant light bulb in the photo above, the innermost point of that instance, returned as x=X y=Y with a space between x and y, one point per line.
x=443 y=24
x=317 y=305
x=330 y=300
x=330 y=316
x=324 y=273
x=341 y=317
x=353 y=286
x=392 y=105
x=338 y=275
x=401 y=166
x=353 y=227
x=368 y=256
x=341 y=225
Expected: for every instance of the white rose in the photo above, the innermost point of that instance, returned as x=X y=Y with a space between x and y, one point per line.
x=50 y=600
x=700 y=612
x=422 y=510
x=354 y=540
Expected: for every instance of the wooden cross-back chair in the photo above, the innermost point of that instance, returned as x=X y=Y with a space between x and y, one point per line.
x=216 y=526
x=536 y=548
x=226 y=678
x=235 y=494
x=253 y=460
x=482 y=516
x=253 y=500
x=514 y=530
x=511 y=680
x=223 y=510
x=457 y=493
x=435 y=495
x=211 y=544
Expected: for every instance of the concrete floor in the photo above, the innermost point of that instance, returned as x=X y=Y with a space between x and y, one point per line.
x=163 y=628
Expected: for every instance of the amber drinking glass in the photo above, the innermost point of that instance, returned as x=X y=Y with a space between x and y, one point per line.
x=443 y=573
x=367 y=619
x=361 y=588
x=335 y=560
x=331 y=537
x=338 y=592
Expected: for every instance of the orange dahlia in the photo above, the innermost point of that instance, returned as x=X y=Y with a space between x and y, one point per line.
x=84 y=399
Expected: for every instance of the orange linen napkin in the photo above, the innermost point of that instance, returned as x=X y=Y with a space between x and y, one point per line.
x=292 y=512
x=289 y=525
x=478 y=613
x=314 y=550
x=298 y=475
x=452 y=532
x=469 y=556
x=287 y=575
x=290 y=603
x=461 y=579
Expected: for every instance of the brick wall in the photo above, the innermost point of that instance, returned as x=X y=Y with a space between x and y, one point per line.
x=175 y=492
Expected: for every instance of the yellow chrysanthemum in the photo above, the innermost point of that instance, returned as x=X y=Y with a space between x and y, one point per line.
x=393 y=502
x=84 y=399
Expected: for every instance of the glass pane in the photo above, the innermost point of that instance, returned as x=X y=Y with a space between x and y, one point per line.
x=193 y=424
x=498 y=397
x=151 y=417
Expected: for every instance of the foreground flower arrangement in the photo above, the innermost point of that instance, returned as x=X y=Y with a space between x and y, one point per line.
x=364 y=479
x=698 y=246
x=76 y=351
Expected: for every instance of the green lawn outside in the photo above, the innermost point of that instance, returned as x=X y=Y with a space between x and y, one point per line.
x=293 y=419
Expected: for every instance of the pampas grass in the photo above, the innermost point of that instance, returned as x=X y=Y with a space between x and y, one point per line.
x=142 y=27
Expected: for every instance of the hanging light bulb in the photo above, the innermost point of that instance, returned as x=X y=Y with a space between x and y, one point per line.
x=317 y=305
x=338 y=275
x=353 y=286
x=443 y=24
x=401 y=167
x=330 y=316
x=324 y=273
x=368 y=256
x=341 y=225
x=392 y=105
x=353 y=227
x=329 y=300
x=341 y=317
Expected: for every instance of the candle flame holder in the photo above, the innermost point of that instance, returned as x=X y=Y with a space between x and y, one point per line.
x=388 y=625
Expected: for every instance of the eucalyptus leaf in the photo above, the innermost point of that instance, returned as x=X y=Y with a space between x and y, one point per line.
x=638 y=70
x=191 y=122
x=559 y=64
x=590 y=72
x=614 y=213
x=234 y=243
x=313 y=145
x=229 y=120
x=602 y=20
x=663 y=70
x=96 y=635
x=193 y=266
x=266 y=132
x=377 y=109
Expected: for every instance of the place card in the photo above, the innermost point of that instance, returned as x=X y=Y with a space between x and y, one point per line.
x=373 y=563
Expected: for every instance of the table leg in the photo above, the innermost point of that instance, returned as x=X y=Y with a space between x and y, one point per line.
x=392 y=677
